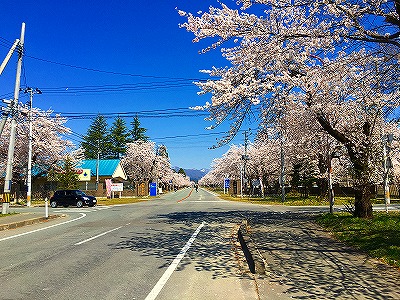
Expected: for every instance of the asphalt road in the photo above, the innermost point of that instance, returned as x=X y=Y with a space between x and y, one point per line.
x=175 y=247
x=182 y=246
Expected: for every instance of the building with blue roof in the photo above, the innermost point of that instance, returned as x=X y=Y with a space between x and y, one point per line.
x=108 y=169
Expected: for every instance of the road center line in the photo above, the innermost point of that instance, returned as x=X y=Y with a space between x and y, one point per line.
x=44 y=228
x=167 y=274
x=96 y=236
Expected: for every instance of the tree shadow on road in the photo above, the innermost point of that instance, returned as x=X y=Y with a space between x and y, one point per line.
x=303 y=261
x=212 y=250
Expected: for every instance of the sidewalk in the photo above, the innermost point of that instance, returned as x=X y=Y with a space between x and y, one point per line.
x=23 y=219
x=303 y=261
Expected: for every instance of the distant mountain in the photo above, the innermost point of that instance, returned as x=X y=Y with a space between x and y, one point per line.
x=194 y=174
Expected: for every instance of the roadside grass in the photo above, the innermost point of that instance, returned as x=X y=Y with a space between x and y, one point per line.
x=6 y=215
x=378 y=236
x=291 y=199
x=122 y=200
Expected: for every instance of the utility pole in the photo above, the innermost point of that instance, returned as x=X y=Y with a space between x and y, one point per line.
x=31 y=91
x=282 y=168
x=282 y=178
x=245 y=158
x=330 y=184
x=97 y=164
x=387 y=164
x=11 y=146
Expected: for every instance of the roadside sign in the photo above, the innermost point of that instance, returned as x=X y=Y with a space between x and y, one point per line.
x=117 y=187
x=153 y=189
x=83 y=174
x=227 y=182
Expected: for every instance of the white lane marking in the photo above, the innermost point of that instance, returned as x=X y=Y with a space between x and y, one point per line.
x=96 y=236
x=204 y=201
x=167 y=274
x=212 y=193
x=44 y=228
x=89 y=209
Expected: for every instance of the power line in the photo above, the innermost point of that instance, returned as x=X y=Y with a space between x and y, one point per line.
x=164 y=113
x=118 y=88
x=105 y=71
x=6 y=43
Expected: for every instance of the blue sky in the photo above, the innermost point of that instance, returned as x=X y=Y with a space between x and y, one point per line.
x=113 y=57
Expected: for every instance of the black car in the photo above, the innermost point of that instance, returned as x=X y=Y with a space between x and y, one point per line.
x=72 y=197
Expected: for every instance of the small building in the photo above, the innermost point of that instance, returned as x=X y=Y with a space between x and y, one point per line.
x=104 y=169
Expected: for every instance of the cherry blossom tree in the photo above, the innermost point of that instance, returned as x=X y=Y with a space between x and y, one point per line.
x=48 y=145
x=143 y=162
x=332 y=58
x=139 y=160
x=176 y=179
x=264 y=161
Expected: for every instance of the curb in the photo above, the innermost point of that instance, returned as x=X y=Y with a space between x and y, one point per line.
x=255 y=262
x=18 y=224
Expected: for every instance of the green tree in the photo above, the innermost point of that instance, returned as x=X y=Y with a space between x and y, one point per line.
x=119 y=136
x=97 y=139
x=68 y=178
x=137 y=132
x=182 y=171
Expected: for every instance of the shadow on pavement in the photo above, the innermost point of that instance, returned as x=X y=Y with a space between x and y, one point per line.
x=302 y=261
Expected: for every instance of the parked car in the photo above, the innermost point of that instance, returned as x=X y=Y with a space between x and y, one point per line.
x=72 y=197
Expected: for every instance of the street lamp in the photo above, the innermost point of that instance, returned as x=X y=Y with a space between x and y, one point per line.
x=31 y=91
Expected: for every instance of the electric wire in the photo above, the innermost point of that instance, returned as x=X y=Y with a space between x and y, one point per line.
x=108 y=72
x=6 y=43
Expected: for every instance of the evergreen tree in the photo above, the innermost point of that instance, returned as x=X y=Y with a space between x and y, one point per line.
x=182 y=171
x=68 y=178
x=119 y=136
x=97 y=139
x=137 y=132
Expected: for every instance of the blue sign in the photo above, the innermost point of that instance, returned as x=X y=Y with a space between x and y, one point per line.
x=153 y=189
x=227 y=183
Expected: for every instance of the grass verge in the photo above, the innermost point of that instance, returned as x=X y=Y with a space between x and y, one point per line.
x=10 y=214
x=379 y=236
x=123 y=200
x=290 y=200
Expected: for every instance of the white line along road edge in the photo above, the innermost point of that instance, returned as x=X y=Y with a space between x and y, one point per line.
x=167 y=274
x=44 y=228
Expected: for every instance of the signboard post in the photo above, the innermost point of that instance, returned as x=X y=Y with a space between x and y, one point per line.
x=117 y=187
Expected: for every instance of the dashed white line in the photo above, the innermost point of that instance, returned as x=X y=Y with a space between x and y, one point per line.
x=167 y=274
x=96 y=236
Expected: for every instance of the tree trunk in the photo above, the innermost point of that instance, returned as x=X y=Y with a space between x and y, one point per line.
x=362 y=204
x=360 y=159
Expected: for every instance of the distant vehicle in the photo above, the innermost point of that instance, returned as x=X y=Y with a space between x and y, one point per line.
x=72 y=197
